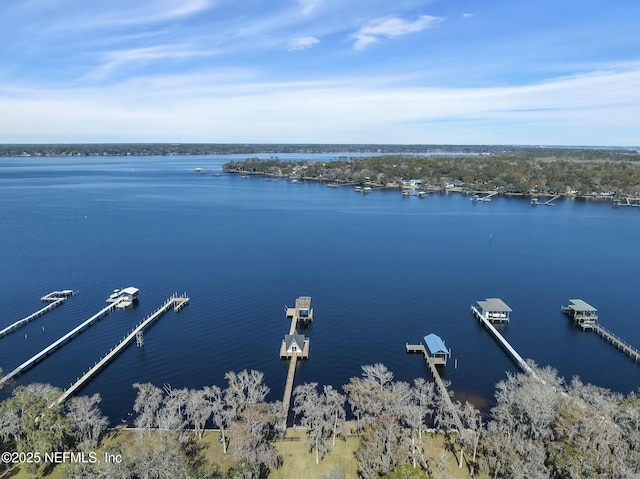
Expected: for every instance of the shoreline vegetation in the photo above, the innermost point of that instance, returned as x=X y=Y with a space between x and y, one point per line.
x=541 y=427
x=587 y=172
x=574 y=173
x=198 y=149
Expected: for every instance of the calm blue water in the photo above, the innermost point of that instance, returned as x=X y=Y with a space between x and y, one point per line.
x=382 y=270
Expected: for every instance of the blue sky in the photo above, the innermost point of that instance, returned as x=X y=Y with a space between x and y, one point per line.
x=548 y=72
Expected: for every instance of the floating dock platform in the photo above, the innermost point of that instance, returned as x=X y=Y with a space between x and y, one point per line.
x=55 y=299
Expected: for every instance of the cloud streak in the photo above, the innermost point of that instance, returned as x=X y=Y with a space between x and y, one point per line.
x=388 y=27
x=571 y=110
x=315 y=70
x=302 y=43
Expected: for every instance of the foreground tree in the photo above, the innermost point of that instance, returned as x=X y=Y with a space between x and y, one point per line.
x=253 y=433
x=171 y=415
x=87 y=421
x=336 y=413
x=147 y=404
x=41 y=426
x=381 y=447
x=313 y=409
x=198 y=410
x=220 y=412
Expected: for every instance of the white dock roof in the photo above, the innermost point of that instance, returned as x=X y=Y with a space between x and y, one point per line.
x=495 y=305
x=579 y=305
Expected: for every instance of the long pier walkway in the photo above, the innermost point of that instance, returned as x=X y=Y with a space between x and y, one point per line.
x=55 y=299
x=176 y=302
x=288 y=388
x=301 y=312
x=550 y=202
x=503 y=342
x=616 y=341
x=435 y=374
x=29 y=363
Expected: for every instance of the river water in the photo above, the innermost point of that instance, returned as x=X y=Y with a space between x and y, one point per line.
x=382 y=270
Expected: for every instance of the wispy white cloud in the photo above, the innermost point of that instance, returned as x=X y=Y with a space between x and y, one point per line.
x=387 y=27
x=139 y=57
x=594 y=108
x=308 y=6
x=468 y=15
x=82 y=16
x=302 y=43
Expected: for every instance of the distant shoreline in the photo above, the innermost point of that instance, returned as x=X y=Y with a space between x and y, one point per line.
x=455 y=189
x=202 y=149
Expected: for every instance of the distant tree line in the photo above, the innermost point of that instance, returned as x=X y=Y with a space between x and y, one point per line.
x=539 y=427
x=564 y=172
x=145 y=149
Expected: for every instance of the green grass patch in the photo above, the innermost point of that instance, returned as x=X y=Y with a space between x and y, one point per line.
x=296 y=460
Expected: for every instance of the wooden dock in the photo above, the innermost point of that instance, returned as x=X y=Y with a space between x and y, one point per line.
x=617 y=341
x=29 y=363
x=176 y=302
x=435 y=374
x=55 y=299
x=300 y=355
x=485 y=199
x=302 y=312
x=503 y=342
x=550 y=202
x=288 y=388
x=417 y=348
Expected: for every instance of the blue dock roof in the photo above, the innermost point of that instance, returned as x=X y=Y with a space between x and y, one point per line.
x=435 y=344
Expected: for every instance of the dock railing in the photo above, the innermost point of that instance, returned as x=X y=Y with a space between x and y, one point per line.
x=175 y=301
x=33 y=360
x=503 y=342
x=617 y=341
x=55 y=299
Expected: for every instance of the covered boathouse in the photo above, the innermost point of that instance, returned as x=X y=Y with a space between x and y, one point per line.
x=436 y=349
x=581 y=312
x=494 y=310
x=295 y=344
x=302 y=311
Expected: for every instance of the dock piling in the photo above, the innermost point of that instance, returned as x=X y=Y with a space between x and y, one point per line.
x=114 y=351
